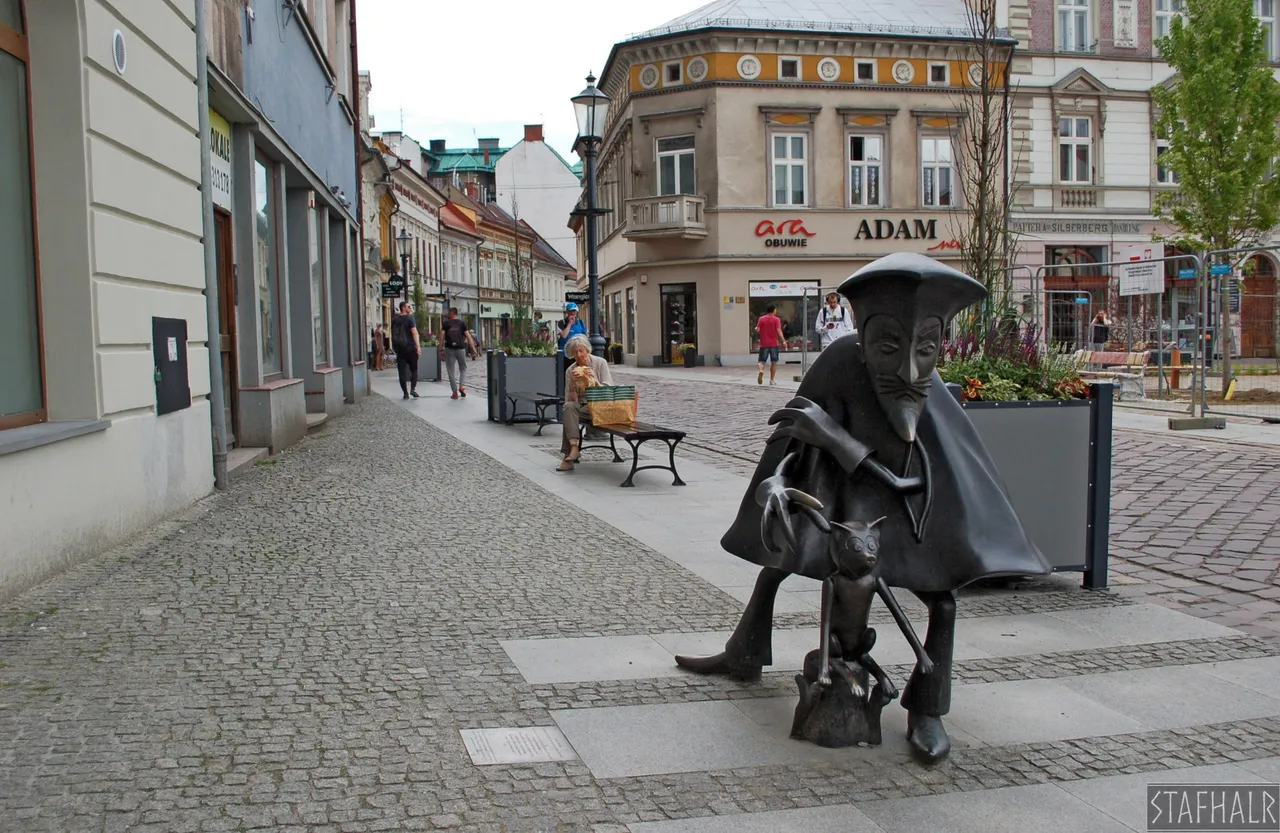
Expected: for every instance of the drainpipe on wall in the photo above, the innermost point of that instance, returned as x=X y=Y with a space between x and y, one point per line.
x=217 y=403
x=362 y=314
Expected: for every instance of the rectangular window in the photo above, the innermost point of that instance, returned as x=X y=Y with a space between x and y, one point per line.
x=672 y=72
x=866 y=156
x=867 y=71
x=1075 y=143
x=320 y=22
x=939 y=75
x=21 y=381
x=789 y=69
x=319 y=295
x=1166 y=11
x=264 y=266
x=936 y=172
x=1073 y=26
x=1265 y=10
x=789 y=169
x=1164 y=175
x=675 y=166
x=631 y=320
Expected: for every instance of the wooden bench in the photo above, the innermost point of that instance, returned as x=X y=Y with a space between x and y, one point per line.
x=540 y=401
x=635 y=435
x=1128 y=380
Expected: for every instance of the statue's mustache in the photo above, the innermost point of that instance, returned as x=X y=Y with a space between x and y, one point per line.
x=889 y=384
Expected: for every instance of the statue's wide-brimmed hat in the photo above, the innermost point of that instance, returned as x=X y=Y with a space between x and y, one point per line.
x=910 y=287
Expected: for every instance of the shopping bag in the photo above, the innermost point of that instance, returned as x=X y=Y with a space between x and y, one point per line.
x=612 y=404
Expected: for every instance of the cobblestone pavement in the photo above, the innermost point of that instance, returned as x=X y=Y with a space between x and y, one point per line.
x=300 y=652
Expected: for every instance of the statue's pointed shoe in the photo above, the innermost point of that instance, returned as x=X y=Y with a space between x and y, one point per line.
x=928 y=737
x=723 y=665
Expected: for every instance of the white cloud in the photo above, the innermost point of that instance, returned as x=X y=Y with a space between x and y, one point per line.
x=465 y=70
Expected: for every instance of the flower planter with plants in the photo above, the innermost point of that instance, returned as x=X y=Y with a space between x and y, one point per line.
x=615 y=353
x=689 y=353
x=525 y=365
x=1049 y=433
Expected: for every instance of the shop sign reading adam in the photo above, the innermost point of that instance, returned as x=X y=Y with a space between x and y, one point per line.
x=793 y=234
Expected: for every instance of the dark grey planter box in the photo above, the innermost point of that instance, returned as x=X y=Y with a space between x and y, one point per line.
x=535 y=374
x=1055 y=458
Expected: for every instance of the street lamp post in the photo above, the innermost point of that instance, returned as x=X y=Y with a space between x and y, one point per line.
x=405 y=242
x=592 y=108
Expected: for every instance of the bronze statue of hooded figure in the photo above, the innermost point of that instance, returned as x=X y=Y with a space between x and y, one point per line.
x=873 y=443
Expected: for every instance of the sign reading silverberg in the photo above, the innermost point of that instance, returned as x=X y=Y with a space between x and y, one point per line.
x=1100 y=227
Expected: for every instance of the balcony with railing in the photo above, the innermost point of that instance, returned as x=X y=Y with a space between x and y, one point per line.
x=1077 y=197
x=678 y=216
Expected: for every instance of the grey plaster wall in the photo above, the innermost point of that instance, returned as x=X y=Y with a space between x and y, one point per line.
x=284 y=79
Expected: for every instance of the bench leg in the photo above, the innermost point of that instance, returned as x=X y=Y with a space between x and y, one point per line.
x=671 y=448
x=636 y=467
x=635 y=460
x=613 y=446
x=542 y=419
x=511 y=417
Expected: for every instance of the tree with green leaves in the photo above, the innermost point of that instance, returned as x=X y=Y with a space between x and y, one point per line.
x=1219 y=115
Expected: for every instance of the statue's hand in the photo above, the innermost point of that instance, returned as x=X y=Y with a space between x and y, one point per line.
x=775 y=495
x=809 y=423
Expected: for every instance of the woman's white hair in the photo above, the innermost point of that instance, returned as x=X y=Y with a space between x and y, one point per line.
x=571 y=346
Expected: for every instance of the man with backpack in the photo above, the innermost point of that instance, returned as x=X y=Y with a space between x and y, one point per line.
x=455 y=339
x=834 y=321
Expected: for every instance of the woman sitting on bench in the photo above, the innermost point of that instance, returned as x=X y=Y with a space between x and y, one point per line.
x=584 y=372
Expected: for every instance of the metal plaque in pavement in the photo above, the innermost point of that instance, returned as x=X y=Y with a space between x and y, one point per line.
x=530 y=745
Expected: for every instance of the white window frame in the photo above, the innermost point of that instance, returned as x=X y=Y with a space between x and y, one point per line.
x=1163 y=22
x=659 y=155
x=679 y=65
x=936 y=166
x=857 y=65
x=1164 y=176
x=850 y=164
x=790 y=164
x=1268 y=22
x=1074 y=20
x=799 y=67
x=946 y=74
x=1075 y=141
x=319 y=13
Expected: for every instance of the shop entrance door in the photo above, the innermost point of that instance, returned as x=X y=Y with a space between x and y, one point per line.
x=227 y=324
x=679 y=319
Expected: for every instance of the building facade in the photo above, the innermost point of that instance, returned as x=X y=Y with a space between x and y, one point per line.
x=101 y=280
x=282 y=83
x=1086 y=169
x=537 y=185
x=460 y=243
x=745 y=167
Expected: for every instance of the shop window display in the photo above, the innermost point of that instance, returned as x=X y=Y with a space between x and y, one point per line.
x=790 y=303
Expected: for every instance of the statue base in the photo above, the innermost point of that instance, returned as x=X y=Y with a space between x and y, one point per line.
x=837 y=716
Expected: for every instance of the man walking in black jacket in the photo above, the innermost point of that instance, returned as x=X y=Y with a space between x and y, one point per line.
x=408 y=346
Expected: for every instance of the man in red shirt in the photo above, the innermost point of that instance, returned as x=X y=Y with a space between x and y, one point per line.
x=769 y=326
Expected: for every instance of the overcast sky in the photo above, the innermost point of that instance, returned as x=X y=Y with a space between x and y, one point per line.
x=462 y=70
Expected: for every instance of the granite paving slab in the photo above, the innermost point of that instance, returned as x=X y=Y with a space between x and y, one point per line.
x=838 y=818
x=1124 y=797
x=1174 y=697
x=1006 y=810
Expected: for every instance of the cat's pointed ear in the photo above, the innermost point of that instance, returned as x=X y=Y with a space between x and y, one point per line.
x=876 y=522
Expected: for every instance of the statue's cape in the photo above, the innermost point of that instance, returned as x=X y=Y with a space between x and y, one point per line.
x=970 y=530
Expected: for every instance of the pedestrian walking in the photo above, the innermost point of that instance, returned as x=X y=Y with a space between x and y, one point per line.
x=769 y=327
x=570 y=326
x=408 y=346
x=834 y=321
x=379 y=347
x=456 y=344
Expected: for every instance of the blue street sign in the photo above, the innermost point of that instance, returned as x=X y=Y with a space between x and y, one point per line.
x=1220 y=269
x=1186 y=273
x=1083 y=300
